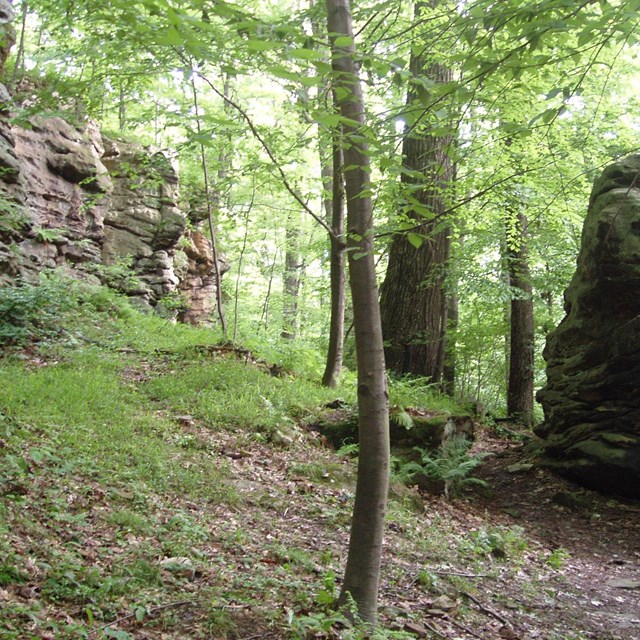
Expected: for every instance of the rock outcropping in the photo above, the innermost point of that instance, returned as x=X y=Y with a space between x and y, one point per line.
x=591 y=400
x=69 y=197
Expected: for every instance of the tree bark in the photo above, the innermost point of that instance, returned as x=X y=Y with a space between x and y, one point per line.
x=362 y=574
x=291 y=279
x=413 y=297
x=449 y=369
x=331 y=376
x=521 y=345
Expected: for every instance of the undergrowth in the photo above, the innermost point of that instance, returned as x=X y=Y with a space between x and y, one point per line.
x=142 y=495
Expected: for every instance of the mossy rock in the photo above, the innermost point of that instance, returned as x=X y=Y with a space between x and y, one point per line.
x=340 y=427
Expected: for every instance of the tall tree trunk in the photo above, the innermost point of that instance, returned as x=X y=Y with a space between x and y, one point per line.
x=521 y=358
x=413 y=298
x=18 y=70
x=122 y=109
x=362 y=574
x=335 y=351
x=332 y=177
x=264 y=317
x=291 y=279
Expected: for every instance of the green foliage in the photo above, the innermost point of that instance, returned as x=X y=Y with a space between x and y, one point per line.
x=399 y=417
x=558 y=558
x=49 y=235
x=505 y=543
x=173 y=303
x=227 y=394
x=119 y=275
x=31 y=313
x=10 y=574
x=350 y=450
x=418 y=392
x=13 y=218
x=450 y=465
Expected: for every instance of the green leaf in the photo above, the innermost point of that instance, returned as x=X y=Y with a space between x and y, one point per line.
x=343 y=41
x=322 y=66
x=415 y=239
x=305 y=54
x=263 y=45
x=171 y=37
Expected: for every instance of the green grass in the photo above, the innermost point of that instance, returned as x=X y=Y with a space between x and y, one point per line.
x=90 y=414
x=228 y=393
x=102 y=478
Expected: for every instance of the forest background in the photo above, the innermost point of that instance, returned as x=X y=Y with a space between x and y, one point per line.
x=519 y=105
x=464 y=167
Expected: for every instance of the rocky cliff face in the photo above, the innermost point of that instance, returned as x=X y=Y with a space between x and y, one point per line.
x=592 y=397
x=69 y=197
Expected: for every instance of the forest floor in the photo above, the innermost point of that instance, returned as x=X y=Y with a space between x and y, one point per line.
x=594 y=539
x=243 y=536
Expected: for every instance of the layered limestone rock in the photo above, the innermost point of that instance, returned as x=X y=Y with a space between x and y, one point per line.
x=70 y=198
x=143 y=223
x=591 y=400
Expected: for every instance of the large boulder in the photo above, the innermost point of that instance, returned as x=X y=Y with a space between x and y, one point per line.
x=591 y=402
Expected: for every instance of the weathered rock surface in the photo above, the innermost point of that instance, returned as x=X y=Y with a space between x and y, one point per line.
x=70 y=198
x=143 y=223
x=591 y=400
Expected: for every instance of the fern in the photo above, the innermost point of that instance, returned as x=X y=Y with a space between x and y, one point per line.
x=401 y=418
x=451 y=465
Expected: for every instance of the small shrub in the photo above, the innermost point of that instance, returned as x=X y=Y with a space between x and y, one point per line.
x=13 y=218
x=119 y=275
x=558 y=558
x=499 y=542
x=30 y=313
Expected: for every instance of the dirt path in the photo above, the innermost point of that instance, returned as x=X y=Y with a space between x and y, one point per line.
x=594 y=541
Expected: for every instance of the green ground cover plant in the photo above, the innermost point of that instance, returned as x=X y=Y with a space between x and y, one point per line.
x=142 y=493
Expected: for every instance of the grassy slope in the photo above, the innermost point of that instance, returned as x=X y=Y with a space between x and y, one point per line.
x=147 y=493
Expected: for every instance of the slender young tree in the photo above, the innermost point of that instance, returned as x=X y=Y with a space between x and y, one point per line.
x=331 y=374
x=291 y=278
x=362 y=574
x=209 y=198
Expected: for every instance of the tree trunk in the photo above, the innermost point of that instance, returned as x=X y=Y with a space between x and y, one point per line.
x=122 y=109
x=264 y=317
x=521 y=358
x=19 y=70
x=449 y=369
x=362 y=574
x=291 y=279
x=335 y=351
x=413 y=298
x=332 y=177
